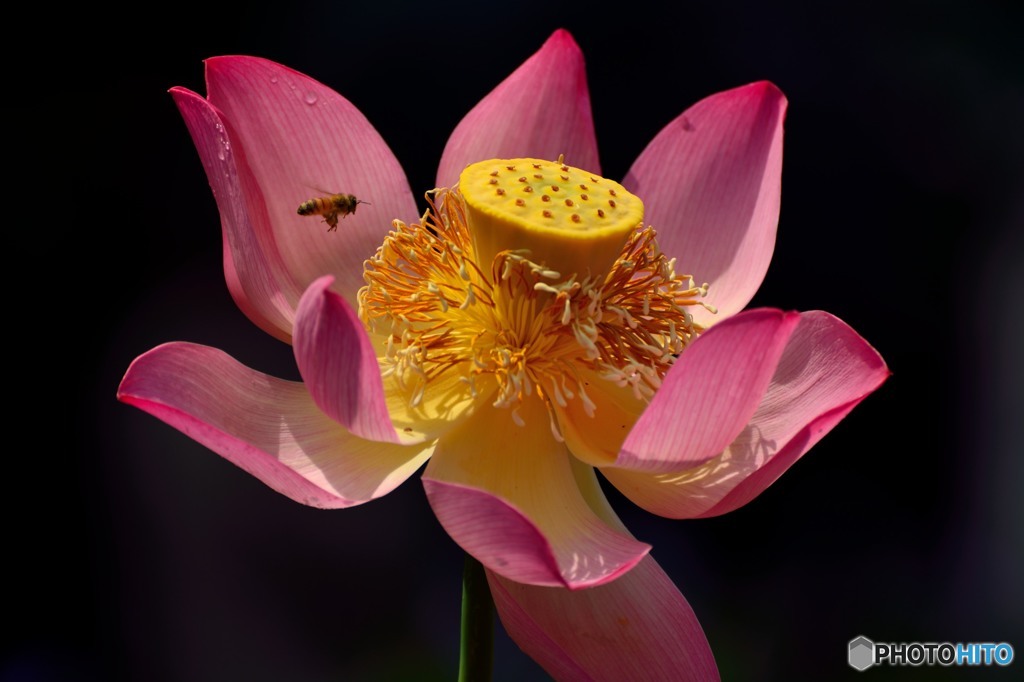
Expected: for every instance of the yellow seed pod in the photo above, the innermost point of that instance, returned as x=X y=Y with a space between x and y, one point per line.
x=571 y=221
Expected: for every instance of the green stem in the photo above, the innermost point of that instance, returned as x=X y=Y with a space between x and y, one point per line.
x=476 y=649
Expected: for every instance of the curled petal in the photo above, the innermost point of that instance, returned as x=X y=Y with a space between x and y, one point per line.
x=267 y=426
x=638 y=627
x=257 y=278
x=540 y=111
x=339 y=366
x=825 y=371
x=710 y=182
x=710 y=394
x=301 y=139
x=509 y=496
x=338 y=362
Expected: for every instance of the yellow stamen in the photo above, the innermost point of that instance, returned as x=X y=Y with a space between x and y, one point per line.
x=521 y=291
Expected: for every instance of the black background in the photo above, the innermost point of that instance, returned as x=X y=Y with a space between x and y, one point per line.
x=132 y=553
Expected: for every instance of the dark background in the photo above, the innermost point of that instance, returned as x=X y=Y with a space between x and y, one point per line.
x=133 y=553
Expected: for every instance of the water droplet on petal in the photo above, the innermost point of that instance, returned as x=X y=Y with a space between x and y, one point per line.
x=225 y=146
x=273 y=79
x=310 y=98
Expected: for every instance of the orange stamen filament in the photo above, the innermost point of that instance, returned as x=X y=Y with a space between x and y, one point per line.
x=438 y=310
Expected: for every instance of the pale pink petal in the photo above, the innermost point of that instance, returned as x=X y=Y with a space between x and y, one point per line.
x=509 y=496
x=710 y=184
x=825 y=371
x=339 y=365
x=267 y=426
x=540 y=111
x=710 y=394
x=638 y=627
x=257 y=279
x=301 y=139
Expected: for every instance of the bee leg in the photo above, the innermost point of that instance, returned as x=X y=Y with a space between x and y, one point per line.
x=332 y=220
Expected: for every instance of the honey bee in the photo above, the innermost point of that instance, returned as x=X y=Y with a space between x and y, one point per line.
x=330 y=207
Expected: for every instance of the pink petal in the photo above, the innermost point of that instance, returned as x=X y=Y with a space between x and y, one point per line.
x=301 y=139
x=710 y=183
x=540 y=111
x=638 y=627
x=339 y=365
x=509 y=496
x=338 y=362
x=825 y=371
x=267 y=426
x=257 y=279
x=710 y=394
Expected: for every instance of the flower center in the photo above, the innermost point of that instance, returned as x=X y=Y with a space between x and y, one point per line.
x=518 y=279
x=567 y=218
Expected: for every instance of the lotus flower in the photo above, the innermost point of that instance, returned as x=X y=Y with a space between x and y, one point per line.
x=516 y=373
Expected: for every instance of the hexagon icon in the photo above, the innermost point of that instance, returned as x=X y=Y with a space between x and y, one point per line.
x=862 y=653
